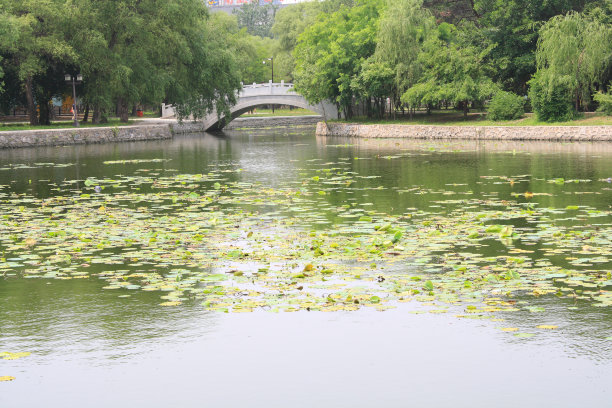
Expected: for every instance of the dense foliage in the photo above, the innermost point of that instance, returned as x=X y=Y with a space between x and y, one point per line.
x=330 y=53
x=128 y=51
x=551 y=97
x=256 y=18
x=605 y=102
x=372 y=57
x=430 y=54
x=506 y=106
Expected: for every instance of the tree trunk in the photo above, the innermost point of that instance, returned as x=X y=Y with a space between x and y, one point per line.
x=43 y=108
x=122 y=110
x=96 y=115
x=52 y=113
x=86 y=116
x=134 y=110
x=31 y=105
x=577 y=100
x=466 y=109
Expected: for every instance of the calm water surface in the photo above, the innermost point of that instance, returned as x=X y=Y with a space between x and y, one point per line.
x=92 y=348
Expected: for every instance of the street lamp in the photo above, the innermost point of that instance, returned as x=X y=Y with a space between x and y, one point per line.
x=75 y=79
x=271 y=59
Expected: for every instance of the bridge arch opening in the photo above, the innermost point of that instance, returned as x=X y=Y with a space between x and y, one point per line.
x=262 y=111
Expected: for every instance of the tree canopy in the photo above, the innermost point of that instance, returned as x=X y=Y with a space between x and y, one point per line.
x=366 y=55
x=578 y=47
x=330 y=52
x=128 y=51
x=255 y=18
x=431 y=53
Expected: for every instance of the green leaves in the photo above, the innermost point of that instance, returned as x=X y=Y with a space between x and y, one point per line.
x=396 y=237
x=453 y=70
x=329 y=53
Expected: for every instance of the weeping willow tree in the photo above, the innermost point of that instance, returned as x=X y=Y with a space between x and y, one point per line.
x=403 y=29
x=575 y=49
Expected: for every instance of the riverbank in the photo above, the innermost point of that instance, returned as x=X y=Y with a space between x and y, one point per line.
x=72 y=136
x=151 y=129
x=548 y=133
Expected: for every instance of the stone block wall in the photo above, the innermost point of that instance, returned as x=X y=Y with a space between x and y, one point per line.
x=551 y=133
x=62 y=137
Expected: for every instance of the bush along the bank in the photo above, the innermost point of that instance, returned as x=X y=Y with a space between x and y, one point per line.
x=551 y=98
x=605 y=102
x=506 y=106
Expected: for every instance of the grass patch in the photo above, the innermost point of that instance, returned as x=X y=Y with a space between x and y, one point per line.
x=453 y=118
x=60 y=125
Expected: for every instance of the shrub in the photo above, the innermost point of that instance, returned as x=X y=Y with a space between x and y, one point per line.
x=605 y=102
x=551 y=97
x=506 y=106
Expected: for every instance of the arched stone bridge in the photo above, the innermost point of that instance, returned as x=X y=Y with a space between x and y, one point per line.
x=255 y=95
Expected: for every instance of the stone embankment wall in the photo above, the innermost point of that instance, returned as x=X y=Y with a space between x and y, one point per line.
x=250 y=122
x=274 y=121
x=550 y=133
x=62 y=137
x=72 y=136
x=187 y=127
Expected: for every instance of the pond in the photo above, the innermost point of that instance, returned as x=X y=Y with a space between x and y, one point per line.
x=274 y=268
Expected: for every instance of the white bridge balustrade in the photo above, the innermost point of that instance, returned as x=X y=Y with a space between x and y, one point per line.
x=270 y=88
x=255 y=95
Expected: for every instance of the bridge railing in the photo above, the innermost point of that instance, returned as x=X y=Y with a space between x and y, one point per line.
x=265 y=89
x=270 y=88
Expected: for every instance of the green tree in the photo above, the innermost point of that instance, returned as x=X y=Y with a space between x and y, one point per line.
x=514 y=26
x=289 y=23
x=506 y=106
x=604 y=101
x=36 y=44
x=8 y=35
x=403 y=28
x=256 y=18
x=373 y=84
x=577 y=47
x=149 y=51
x=329 y=53
x=551 y=96
x=454 y=71
x=248 y=50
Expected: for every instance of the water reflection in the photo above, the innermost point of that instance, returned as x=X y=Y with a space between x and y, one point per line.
x=64 y=318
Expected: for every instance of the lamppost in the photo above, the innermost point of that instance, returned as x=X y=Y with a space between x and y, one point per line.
x=271 y=59
x=75 y=79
